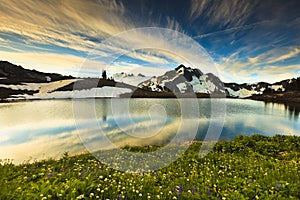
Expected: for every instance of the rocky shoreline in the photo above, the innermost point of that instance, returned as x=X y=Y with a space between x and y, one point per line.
x=292 y=97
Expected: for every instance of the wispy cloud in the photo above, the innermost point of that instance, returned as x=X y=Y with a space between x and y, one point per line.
x=224 y=13
x=274 y=56
x=58 y=35
x=228 y=30
x=148 y=56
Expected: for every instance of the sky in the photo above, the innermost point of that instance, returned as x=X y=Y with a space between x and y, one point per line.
x=238 y=40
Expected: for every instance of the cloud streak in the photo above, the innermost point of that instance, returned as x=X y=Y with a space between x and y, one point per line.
x=226 y=13
x=242 y=36
x=274 y=56
x=233 y=29
x=63 y=23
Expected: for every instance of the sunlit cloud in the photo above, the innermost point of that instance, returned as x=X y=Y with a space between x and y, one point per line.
x=47 y=62
x=60 y=36
x=242 y=72
x=274 y=56
x=148 y=57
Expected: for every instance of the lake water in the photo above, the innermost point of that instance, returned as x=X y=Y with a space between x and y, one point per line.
x=42 y=129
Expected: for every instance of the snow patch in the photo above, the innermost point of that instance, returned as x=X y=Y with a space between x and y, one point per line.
x=262 y=89
x=242 y=93
x=48 y=78
x=49 y=87
x=41 y=87
x=26 y=86
x=211 y=86
x=277 y=87
x=198 y=87
x=182 y=87
x=105 y=91
x=130 y=78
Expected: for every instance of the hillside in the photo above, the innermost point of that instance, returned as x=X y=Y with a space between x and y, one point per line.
x=13 y=74
x=17 y=83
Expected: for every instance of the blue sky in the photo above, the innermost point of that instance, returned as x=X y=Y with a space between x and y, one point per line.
x=247 y=40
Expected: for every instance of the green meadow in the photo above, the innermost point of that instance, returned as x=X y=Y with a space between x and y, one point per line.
x=255 y=167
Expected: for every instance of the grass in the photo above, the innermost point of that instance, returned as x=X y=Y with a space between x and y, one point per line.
x=255 y=167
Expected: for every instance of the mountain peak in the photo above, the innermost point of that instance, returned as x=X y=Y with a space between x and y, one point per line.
x=183 y=79
x=181 y=66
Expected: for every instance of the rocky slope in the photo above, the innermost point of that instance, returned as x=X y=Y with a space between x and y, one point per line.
x=185 y=80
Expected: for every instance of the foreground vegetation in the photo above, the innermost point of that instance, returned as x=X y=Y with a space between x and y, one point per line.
x=255 y=167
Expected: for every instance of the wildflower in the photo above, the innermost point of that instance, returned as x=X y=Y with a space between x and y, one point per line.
x=193 y=190
x=278 y=184
x=208 y=192
x=179 y=188
x=119 y=197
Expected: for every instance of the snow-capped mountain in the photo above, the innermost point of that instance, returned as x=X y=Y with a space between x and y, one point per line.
x=247 y=90
x=130 y=79
x=184 y=79
x=17 y=83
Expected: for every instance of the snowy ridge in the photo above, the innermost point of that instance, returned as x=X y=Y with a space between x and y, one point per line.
x=130 y=79
x=247 y=90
